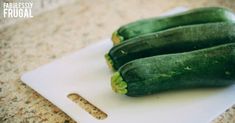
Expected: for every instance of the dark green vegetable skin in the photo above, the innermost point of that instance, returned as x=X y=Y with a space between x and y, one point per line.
x=179 y=39
x=194 y=16
x=209 y=67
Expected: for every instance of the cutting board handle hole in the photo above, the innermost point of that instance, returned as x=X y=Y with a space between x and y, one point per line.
x=87 y=106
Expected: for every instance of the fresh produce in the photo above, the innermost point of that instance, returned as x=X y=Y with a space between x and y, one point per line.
x=194 y=16
x=179 y=39
x=209 y=67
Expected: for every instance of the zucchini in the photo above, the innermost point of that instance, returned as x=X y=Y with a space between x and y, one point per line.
x=194 y=16
x=209 y=67
x=174 y=40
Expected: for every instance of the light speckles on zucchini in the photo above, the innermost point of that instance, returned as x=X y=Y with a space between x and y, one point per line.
x=156 y=24
x=174 y=40
x=177 y=71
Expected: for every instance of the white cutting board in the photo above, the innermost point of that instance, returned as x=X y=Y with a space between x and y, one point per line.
x=85 y=72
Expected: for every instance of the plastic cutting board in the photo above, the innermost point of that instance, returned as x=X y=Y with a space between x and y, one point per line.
x=85 y=72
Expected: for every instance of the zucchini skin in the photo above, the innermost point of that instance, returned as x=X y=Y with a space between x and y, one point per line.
x=194 y=16
x=210 y=67
x=174 y=40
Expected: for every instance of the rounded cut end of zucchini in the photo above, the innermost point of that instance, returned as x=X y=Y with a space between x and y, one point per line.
x=109 y=61
x=118 y=84
x=117 y=39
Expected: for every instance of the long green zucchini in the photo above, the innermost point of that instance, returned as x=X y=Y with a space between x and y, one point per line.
x=194 y=16
x=209 y=67
x=174 y=40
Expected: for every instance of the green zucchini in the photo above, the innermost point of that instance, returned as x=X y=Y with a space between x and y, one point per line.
x=194 y=16
x=174 y=40
x=209 y=67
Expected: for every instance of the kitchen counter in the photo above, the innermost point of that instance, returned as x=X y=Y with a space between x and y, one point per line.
x=29 y=44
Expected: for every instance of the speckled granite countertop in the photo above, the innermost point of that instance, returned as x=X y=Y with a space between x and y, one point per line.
x=27 y=45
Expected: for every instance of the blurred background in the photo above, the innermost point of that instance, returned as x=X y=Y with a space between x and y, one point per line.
x=60 y=27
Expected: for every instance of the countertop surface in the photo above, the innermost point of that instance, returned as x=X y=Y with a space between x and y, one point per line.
x=33 y=42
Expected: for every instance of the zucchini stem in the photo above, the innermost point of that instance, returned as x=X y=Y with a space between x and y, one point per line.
x=118 y=84
x=109 y=61
x=117 y=39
